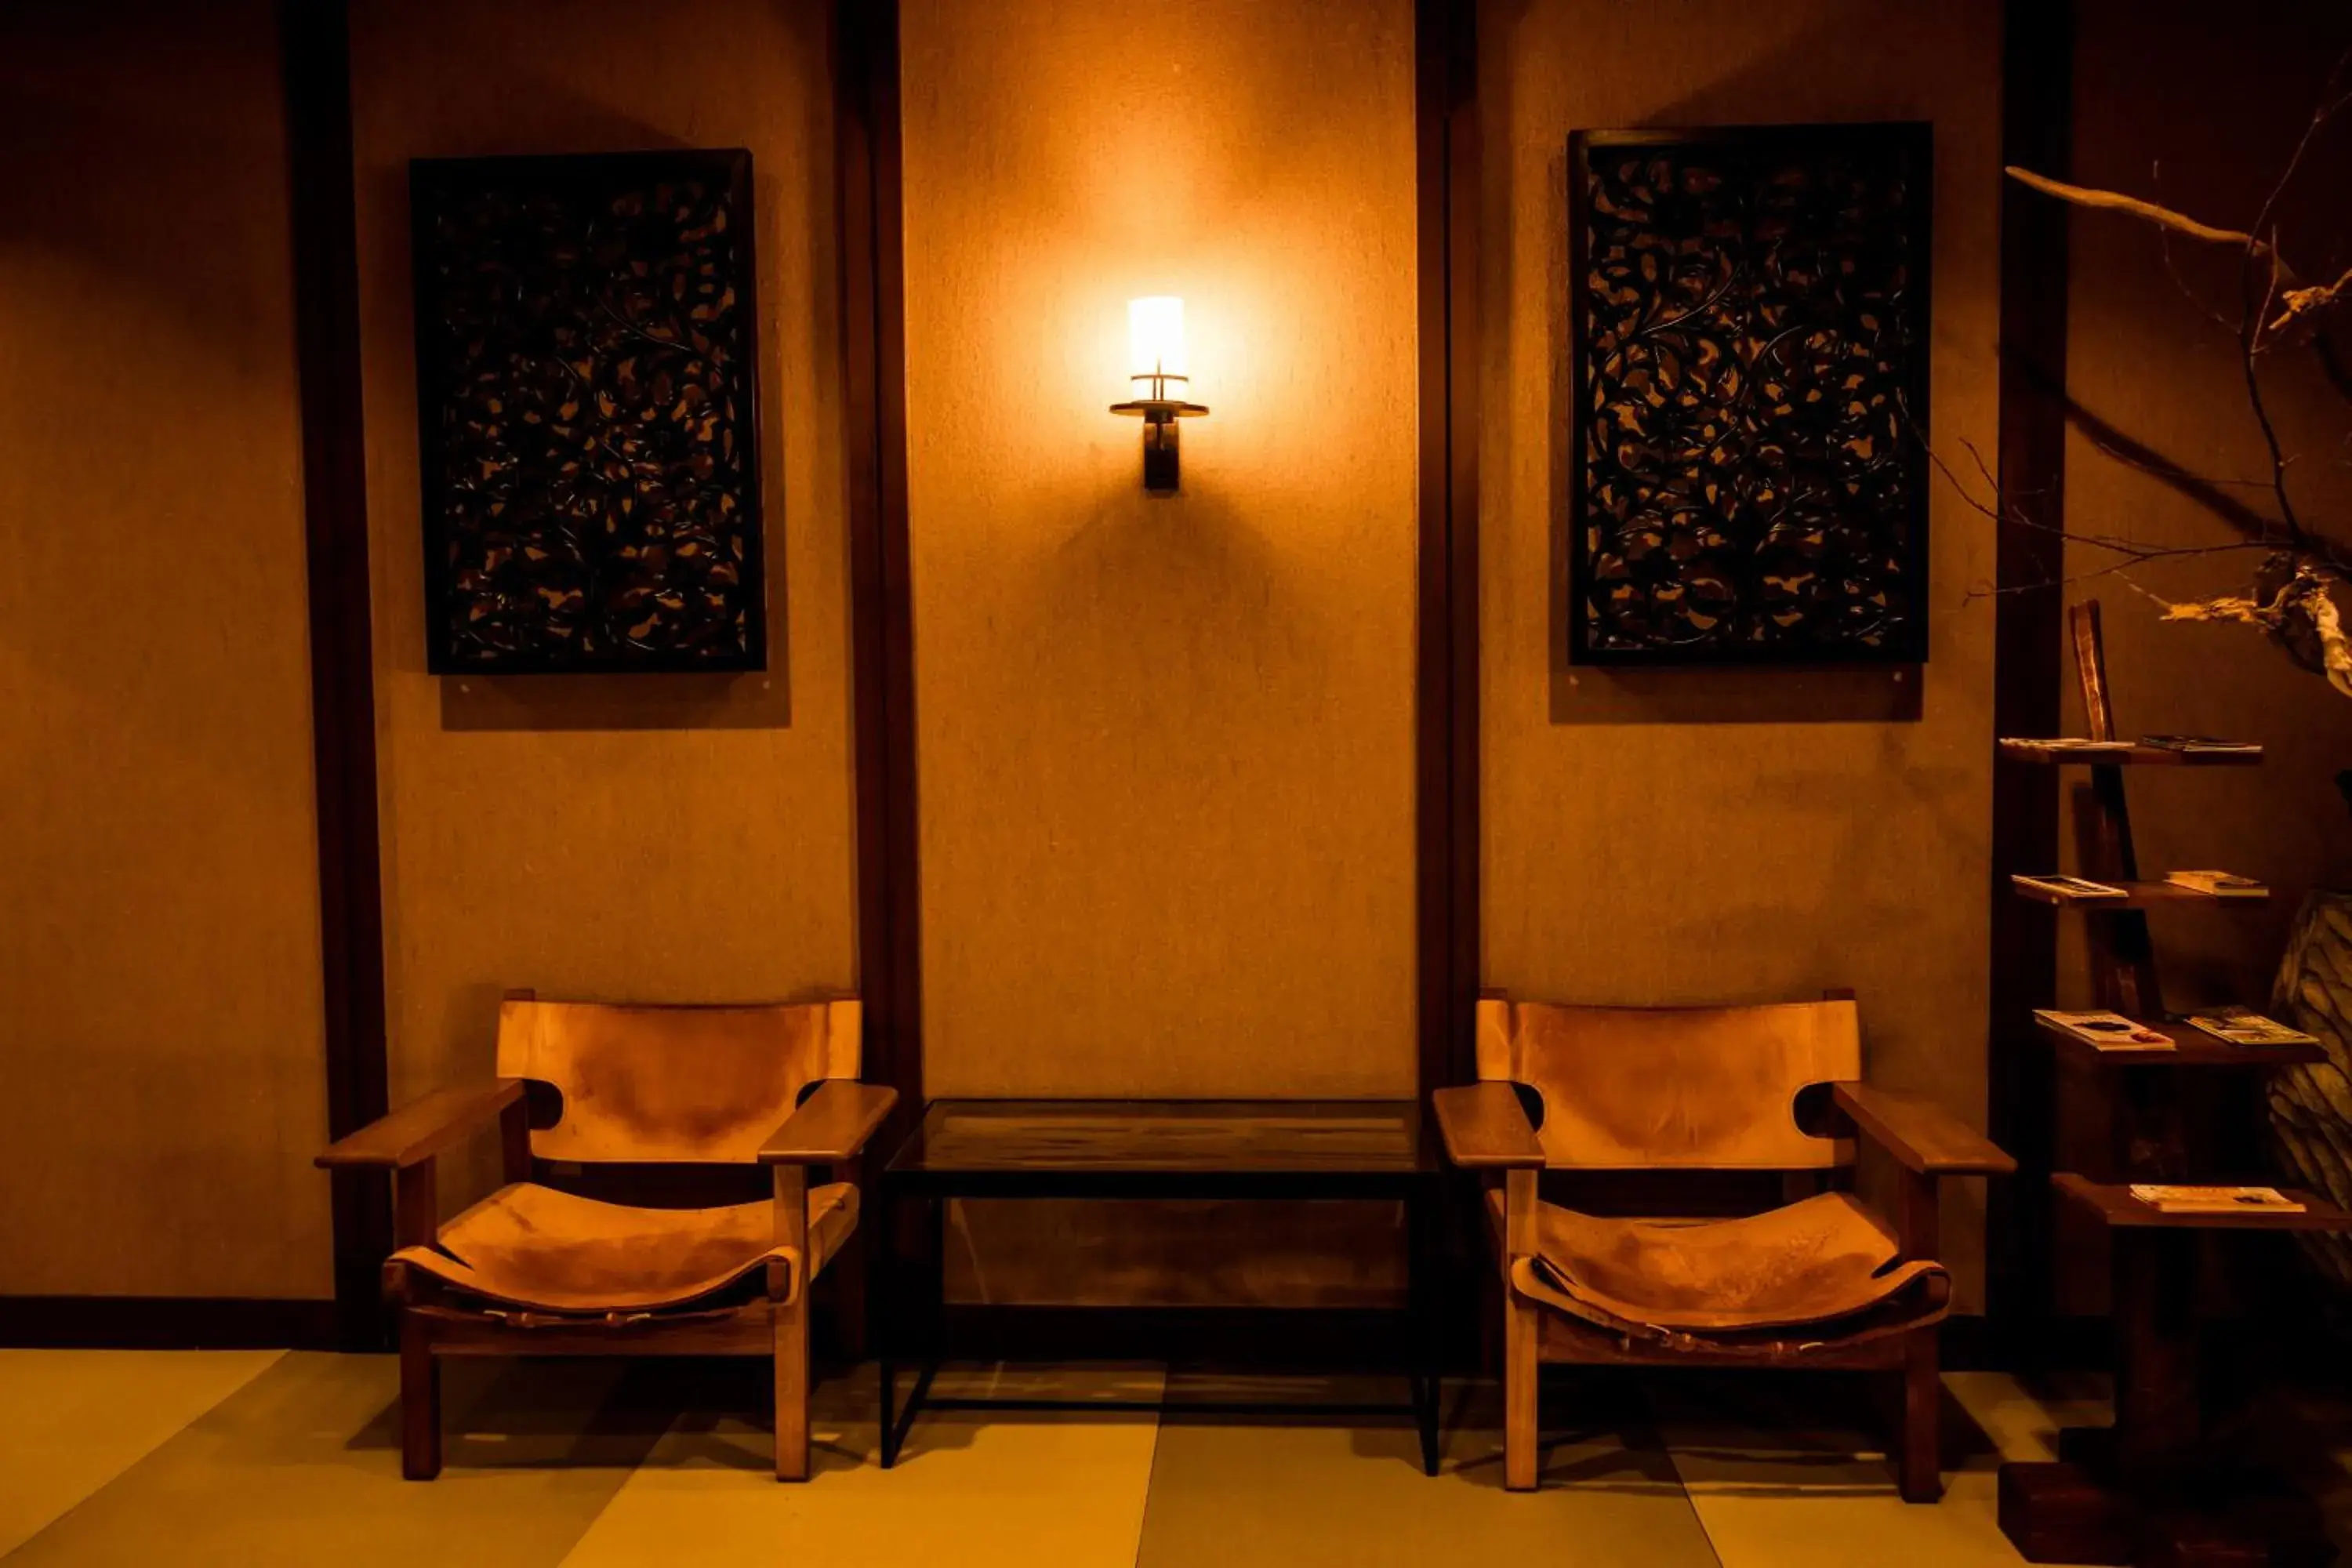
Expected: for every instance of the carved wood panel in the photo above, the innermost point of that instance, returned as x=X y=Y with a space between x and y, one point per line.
x=588 y=405
x=1749 y=390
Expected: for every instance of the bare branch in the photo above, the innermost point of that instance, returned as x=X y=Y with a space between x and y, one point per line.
x=2292 y=594
x=2116 y=201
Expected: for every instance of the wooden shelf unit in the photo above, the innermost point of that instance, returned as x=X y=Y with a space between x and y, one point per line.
x=2117 y=1498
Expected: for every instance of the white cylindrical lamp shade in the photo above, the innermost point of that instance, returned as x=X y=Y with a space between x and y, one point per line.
x=1155 y=340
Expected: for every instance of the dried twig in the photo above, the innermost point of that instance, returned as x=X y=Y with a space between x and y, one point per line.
x=2116 y=201
x=2303 y=610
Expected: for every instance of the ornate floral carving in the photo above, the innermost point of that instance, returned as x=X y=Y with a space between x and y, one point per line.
x=1750 y=314
x=586 y=385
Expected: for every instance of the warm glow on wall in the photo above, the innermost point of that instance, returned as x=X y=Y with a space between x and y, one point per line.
x=1160 y=381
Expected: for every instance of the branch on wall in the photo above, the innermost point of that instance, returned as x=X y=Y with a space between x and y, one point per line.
x=2292 y=596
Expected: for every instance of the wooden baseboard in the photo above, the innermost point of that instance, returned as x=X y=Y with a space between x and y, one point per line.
x=166 y=1323
x=1977 y=1343
x=1302 y=1339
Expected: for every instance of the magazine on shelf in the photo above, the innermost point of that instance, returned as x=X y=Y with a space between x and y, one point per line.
x=2166 y=1199
x=2069 y=746
x=2107 y=1031
x=2072 y=889
x=2219 y=884
x=2208 y=745
x=2238 y=1027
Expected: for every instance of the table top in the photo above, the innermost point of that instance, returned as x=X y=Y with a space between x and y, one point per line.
x=2112 y=1202
x=1199 y=1137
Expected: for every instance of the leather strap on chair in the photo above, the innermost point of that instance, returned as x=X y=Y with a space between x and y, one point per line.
x=1925 y=1301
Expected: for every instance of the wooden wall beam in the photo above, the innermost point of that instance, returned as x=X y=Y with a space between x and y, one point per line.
x=1446 y=685
x=2038 y=49
x=315 y=46
x=871 y=214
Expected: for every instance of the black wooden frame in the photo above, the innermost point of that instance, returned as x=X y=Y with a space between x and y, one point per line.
x=586 y=169
x=1916 y=139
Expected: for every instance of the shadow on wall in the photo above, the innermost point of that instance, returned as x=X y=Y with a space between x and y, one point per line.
x=684 y=700
x=72 y=191
x=1145 y=577
x=1766 y=89
x=1587 y=694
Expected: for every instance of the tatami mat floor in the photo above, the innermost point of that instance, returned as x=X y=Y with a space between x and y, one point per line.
x=290 y=1458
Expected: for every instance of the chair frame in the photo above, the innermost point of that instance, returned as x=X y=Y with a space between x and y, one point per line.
x=830 y=1128
x=1485 y=1130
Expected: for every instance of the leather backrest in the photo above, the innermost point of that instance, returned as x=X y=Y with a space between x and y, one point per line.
x=1679 y=1088
x=700 y=1084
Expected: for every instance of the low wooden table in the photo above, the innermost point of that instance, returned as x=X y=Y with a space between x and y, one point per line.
x=1369 y=1150
x=2151 y=1489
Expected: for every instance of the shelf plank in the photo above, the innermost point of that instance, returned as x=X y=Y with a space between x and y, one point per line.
x=2139 y=896
x=2112 y=1203
x=2015 y=750
x=2192 y=1047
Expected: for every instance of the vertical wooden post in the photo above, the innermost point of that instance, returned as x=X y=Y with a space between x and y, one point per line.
x=870 y=212
x=873 y=380
x=2037 y=72
x=1446 y=679
x=315 y=47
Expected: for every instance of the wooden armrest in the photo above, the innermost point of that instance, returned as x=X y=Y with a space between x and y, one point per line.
x=831 y=1125
x=424 y=1127
x=1920 y=1133
x=1486 y=1127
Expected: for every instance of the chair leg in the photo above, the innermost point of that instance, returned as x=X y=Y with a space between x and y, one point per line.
x=1521 y=1432
x=792 y=1352
x=849 y=1274
x=1919 y=1464
x=420 y=1401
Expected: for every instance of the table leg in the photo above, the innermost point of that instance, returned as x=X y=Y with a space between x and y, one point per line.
x=1427 y=1319
x=2158 y=1421
x=885 y=1300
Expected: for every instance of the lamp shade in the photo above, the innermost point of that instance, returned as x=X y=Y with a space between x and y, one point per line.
x=1155 y=338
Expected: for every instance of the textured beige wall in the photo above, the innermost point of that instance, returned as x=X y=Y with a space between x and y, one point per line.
x=662 y=837
x=1678 y=836
x=161 y=1071
x=2213 y=106
x=1165 y=745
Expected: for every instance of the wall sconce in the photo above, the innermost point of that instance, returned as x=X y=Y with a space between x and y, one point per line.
x=1155 y=339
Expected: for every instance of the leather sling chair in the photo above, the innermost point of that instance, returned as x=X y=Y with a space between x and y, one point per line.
x=1825 y=1281
x=638 y=1094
